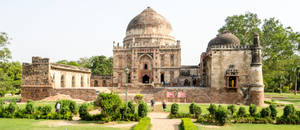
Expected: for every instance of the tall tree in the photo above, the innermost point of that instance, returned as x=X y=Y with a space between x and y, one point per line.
x=243 y=26
x=4 y=51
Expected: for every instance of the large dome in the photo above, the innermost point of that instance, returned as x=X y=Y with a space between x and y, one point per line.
x=149 y=22
x=224 y=38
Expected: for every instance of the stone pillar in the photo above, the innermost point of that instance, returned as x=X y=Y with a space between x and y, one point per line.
x=256 y=91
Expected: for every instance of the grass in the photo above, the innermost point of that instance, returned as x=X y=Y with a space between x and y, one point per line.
x=10 y=98
x=30 y=124
x=250 y=127
x=287 y=98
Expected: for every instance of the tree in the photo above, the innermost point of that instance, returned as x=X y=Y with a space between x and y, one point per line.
x=4 y=51
x=100 y=65
x=243 y=26
x=66 y=62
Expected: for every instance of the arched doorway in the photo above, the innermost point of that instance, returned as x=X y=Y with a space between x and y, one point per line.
x=146 y=79
x=186 y=82
x=162 y=78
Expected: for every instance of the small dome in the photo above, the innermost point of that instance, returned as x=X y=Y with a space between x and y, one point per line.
x=149 y=22
x=224 y=38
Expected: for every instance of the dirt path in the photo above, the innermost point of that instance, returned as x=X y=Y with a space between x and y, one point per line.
x=160 y=121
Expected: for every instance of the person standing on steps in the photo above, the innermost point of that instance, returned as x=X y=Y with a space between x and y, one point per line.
x=152 y=104
x=164 y=105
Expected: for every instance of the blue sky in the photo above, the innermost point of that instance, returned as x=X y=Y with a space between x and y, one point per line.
x=71 y=29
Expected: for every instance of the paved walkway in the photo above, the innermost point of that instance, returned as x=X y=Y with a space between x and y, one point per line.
x=160 y=121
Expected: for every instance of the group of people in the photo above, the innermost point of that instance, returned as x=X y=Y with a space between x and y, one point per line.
x=164 y=105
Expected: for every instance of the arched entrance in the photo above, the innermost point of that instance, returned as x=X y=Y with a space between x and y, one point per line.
x=145 y=69
x=146 y=79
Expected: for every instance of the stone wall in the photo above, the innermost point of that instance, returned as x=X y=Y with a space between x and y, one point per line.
x=39 y=93
x=192 y=94
x=101 y=81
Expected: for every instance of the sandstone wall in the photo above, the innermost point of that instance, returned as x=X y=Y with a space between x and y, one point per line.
x=39 y=93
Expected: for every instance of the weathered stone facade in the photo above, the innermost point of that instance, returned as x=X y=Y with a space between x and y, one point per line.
x=149 y=51
x=101 y=81
x=42 y=79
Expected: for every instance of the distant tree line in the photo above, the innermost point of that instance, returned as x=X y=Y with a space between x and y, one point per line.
x=99 y=65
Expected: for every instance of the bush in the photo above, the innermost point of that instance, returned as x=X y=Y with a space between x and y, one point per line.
x=273 y=111
x=67 y=106
x=144 y=124
x=142 y=109
x=252 y=110
x=197 y=111
x=174 y=108
x=29 y=109
x=265 y=112
x=138 y=98
x=232 y=109
x=83 y=112
x=131 y=107
x=187 y=124
x=289 y=116
x=44 y=110
x=12 y=107
x=192 y=108
x=221 y=115
x=109 y=103
x=212 y=109
x=242 y=112
x=289 y=110
x=180 y=115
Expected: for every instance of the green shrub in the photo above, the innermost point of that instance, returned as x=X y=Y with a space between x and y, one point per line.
x=187 y=124
x=83 y=112
x=12 y=107
x=192 y=108
x=67 y=106
x=289 y=116
x=142 y=109
x=44 y=110
x=197 y=111
x=221 y=115
x=252 y=110
x=242 y=112
x=131 y=107
x=289 y=110
x=180 y=115
x=265 y=112
x=29 y=108
x=109 y=103
x=138 y=98
x=144 y=124
x=273 y=111
x=212 y=109
x=174 y=108
x=232 y=109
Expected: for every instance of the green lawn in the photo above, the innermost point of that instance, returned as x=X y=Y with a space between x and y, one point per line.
x=250 y=127
x=286 y=98
x=30 y=124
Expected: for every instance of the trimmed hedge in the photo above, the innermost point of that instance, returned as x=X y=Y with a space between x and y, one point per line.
x=144 y=124
x=187 y=124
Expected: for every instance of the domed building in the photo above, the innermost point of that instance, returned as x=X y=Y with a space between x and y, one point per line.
x=151 y=54
x=150 y=60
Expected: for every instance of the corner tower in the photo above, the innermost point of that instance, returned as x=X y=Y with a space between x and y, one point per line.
x=256 y=78
x=149 y=51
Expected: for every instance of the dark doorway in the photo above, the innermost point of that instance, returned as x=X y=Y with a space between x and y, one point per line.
x=95 y=83
x=145 y=79
x=232 y=82
x=145 y=66
x=162 y=78
x=186 y=83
